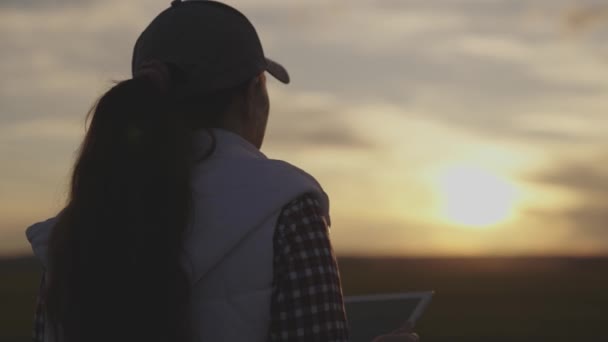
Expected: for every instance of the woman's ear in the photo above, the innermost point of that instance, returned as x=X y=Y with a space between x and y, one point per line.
x=263 y=101
x=256 y=96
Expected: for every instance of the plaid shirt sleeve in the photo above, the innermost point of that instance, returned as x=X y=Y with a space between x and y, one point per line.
x=38 y=331
x=307 y=303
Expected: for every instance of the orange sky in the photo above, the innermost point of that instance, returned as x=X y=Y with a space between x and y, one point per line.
x=438 y=127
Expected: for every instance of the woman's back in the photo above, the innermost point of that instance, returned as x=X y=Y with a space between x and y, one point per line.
x=238 y=196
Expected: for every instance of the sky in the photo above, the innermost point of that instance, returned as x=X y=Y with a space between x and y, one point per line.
x=437 y=127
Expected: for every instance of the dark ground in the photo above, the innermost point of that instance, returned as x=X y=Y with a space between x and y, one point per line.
x=476 y=300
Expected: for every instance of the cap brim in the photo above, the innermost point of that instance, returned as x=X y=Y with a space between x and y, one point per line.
x=277 y=70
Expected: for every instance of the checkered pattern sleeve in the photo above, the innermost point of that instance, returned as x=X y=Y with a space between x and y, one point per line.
x=307 y=302
x=38 y=331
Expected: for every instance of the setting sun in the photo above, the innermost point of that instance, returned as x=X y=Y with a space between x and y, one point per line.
x=475 y=197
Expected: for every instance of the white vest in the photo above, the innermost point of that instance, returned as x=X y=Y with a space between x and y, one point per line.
x=228 y=252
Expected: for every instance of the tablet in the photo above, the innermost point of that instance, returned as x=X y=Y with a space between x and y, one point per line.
x=373 y=315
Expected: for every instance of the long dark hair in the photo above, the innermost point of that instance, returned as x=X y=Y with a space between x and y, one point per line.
x=115 y=272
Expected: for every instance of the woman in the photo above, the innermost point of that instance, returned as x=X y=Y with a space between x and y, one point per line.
x=177 y=227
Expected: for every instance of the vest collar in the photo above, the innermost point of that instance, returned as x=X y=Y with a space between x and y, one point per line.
x=227 y=145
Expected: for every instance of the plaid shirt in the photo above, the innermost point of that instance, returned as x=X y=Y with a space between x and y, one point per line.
x=307 y=298
x=307 y=295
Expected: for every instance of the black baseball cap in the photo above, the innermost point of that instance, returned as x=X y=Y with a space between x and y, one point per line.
x=214 y=45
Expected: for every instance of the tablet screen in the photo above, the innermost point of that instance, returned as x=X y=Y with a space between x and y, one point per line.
x=374 y=315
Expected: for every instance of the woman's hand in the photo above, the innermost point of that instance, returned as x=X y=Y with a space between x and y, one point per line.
x=403 y=334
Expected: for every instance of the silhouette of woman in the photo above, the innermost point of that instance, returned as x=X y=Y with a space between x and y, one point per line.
x=177 y=227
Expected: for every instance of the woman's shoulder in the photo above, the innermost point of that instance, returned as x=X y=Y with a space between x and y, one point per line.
x=38 y=235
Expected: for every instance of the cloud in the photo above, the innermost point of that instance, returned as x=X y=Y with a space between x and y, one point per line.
x=57 y=58
x=484 y=66
x=586 y=227
x=310 y=136
x=591 y=221
x=309 y=120
x=33 y=5
x=43 y=129
x=588 y=177
x=586 y=17
x=588 y=181
x=448 y=58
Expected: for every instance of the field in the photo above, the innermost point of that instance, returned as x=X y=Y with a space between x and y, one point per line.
x=477 y=299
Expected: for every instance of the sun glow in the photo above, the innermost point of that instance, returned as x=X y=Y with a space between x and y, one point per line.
x=475 y=197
